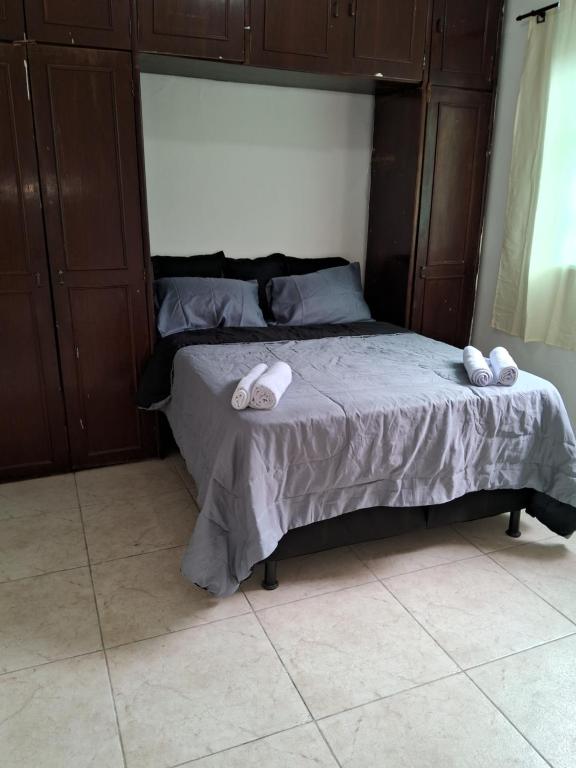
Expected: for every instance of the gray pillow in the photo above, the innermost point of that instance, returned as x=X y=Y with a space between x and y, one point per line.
x=329 y=296
x=192 y=303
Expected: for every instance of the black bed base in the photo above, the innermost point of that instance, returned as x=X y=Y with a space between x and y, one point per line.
x=384 y=522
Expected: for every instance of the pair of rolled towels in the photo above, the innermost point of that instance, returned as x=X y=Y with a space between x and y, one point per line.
x=262 y=387
x=500 y=367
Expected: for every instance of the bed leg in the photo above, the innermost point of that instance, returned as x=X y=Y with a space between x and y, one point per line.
x=270 y=580
x=514 y=525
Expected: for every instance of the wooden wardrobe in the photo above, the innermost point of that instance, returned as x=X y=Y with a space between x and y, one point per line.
x=76 y=320
x=73 y=300
x=430 y=161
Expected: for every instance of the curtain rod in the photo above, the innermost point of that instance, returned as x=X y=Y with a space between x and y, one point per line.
x=540 y=13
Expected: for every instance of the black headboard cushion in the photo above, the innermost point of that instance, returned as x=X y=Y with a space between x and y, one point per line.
x=265 y=268
x=262 y=269
x=210 y=265
x=295 y=266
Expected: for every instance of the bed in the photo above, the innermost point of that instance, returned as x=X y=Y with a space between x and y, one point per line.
x=379 y=433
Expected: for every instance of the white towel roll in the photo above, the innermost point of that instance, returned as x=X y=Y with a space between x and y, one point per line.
x=478 y=370
x=243 y=392
x=271 y=386
x=504 y=367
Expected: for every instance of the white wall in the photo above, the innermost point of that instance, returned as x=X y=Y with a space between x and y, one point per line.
x=253 y=169
x=557 y=365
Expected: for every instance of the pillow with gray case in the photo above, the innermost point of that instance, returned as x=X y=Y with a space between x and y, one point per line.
x=329 y=296
x=193 y=303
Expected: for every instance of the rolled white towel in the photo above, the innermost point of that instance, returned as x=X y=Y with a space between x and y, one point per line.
x=478 y=370
x=243 y=392
x=271 y=386
x=504 y=367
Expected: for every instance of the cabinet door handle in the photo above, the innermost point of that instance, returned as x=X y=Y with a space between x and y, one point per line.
x=352 y=8
x=439 y=25
x=335 y=8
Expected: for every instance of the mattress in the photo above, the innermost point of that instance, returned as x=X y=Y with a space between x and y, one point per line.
x=374 y=417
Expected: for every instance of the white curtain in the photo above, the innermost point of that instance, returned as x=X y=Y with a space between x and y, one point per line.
x=536 y=290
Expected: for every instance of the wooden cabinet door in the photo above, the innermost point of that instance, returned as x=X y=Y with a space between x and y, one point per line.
x=386 y=38
x=85 y=125
x=32 y=421
x=465 y=42
x=11 y=20
x=208 y=29
x=296 y=34
x=455 y=161
x=101 y=23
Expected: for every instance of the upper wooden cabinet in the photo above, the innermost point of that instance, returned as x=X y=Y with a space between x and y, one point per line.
x=99 y=23
x=465 y=42
x=11 y=20
x=385 y=38
x=209 y=29
x=295 y=34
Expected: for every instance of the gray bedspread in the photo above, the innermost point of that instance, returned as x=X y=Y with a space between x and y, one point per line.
x=381 y=421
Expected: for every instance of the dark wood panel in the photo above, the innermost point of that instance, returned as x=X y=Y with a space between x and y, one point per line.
x=92 y=199
x=395 y=187
x=386 y=38
x=296 y=34
x=98 y=314
x=212 y=29
x=101 y=23
x=11 y=20
x=99 y=286
x=454 y=180
x=454 y=171
x=441 y=309
x=181 y=66
x=32 y=422
x=464 y=42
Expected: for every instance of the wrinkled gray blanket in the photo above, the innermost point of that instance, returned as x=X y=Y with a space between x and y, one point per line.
x=381 y=421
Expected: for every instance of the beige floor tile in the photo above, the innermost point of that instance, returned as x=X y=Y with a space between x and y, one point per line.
x=199 y=691
x=537 y=691
x=47 y=618
x=301 y=747
x=179 y=465
x=489 y=533
x=308 y=576
x=446 y=724
x=60 y=715
x=347 y=648
x=549 y=568
x=144 y=596
x=121 y=529
x=51 y=541
x=32 y=497
x=127 y=482
x=414 y=551
x=477 y=611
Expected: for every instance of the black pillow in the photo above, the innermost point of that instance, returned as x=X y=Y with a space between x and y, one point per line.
x=296 y=266
x=188 y=266
x=262 y=269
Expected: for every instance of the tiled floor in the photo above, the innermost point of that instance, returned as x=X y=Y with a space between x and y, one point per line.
x=454 y=647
